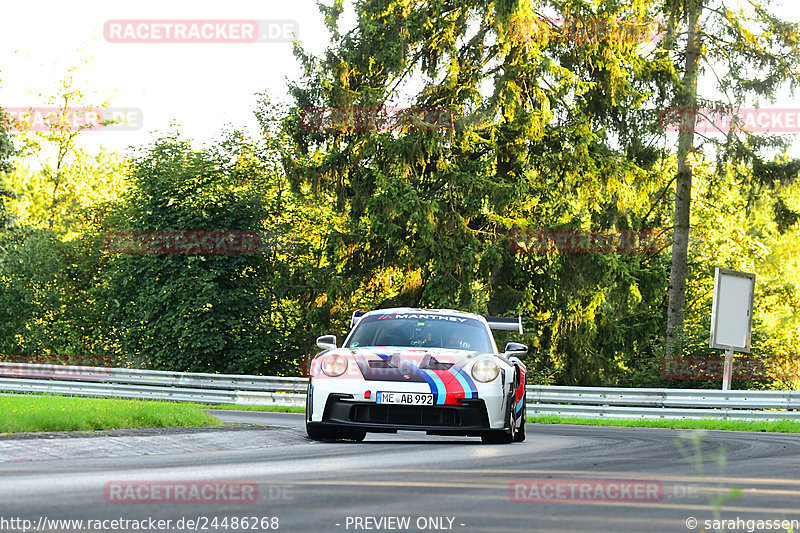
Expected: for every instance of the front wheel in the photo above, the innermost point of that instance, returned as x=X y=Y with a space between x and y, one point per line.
x=356 y=436
x=320 y=433
x=506 y=435
x=314 y=431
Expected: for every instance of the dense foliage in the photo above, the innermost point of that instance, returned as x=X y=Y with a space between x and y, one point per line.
x=504 y=132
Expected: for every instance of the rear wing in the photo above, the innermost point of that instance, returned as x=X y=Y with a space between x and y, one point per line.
x=495 y=322
x=505 y=324
x=356 y=317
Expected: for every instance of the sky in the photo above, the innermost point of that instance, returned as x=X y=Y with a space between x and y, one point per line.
x=200 y=86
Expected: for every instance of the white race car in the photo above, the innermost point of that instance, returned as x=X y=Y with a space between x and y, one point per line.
x=433 y=370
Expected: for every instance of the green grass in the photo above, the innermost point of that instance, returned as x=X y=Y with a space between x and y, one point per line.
x=20 y=413
x=782 y=426
x=31 y=413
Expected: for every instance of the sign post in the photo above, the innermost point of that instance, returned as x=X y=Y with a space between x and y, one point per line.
x=727 y=370
x=732 y=316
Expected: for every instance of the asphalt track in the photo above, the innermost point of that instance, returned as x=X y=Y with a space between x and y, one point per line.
x=436 y=483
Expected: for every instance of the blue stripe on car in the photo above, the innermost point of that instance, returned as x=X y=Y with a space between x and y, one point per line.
x=434 y=383
x=466 y=383
x=440 y=394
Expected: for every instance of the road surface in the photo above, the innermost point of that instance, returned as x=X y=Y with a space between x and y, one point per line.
x=562 y=478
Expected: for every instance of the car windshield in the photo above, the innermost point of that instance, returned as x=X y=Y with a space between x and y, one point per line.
x=421 y=330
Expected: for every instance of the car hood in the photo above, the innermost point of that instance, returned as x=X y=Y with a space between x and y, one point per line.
x=410 y=364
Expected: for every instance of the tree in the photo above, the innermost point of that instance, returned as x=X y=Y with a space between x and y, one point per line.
x=534 y=143
x=192 y=311
x=87 y=181
x=756 y=238
x=751 y=56
x=6 y=151
x=54 y=159
x=6 y=146
x=46 y=276
x=47 y=202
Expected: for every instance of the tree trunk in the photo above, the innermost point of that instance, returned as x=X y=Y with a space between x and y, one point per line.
x=683 y=189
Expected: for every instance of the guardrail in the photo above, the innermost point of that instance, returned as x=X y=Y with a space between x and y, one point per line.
x=152 y=384
x=674 y=404
x=590 y=402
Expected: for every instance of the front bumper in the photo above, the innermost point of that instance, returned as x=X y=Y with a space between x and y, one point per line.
x=466 y=418
x=341 y=404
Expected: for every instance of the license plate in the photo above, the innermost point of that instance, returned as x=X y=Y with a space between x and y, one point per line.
x=405 y=398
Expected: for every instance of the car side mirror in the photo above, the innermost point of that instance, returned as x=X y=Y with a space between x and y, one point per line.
x=327 y=342
x=516 y=349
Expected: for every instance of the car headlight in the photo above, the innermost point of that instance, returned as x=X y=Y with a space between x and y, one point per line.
x=485 y=370
x=334 y=365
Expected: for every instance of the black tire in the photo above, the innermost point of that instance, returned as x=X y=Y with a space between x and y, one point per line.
x=505 y=435
x=356 y=435
x=321 y=433
x=520 y=435
x=308 y=401
x=314 y=431
x=327 y=434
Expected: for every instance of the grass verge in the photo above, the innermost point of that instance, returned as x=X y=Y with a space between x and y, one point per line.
x=20 y=413
x=782 y=426
x=31 y=413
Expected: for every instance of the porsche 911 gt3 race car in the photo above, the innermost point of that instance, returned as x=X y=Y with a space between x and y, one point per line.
x=435 y=370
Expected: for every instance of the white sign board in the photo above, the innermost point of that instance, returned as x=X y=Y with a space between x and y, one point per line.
x=732 y=312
